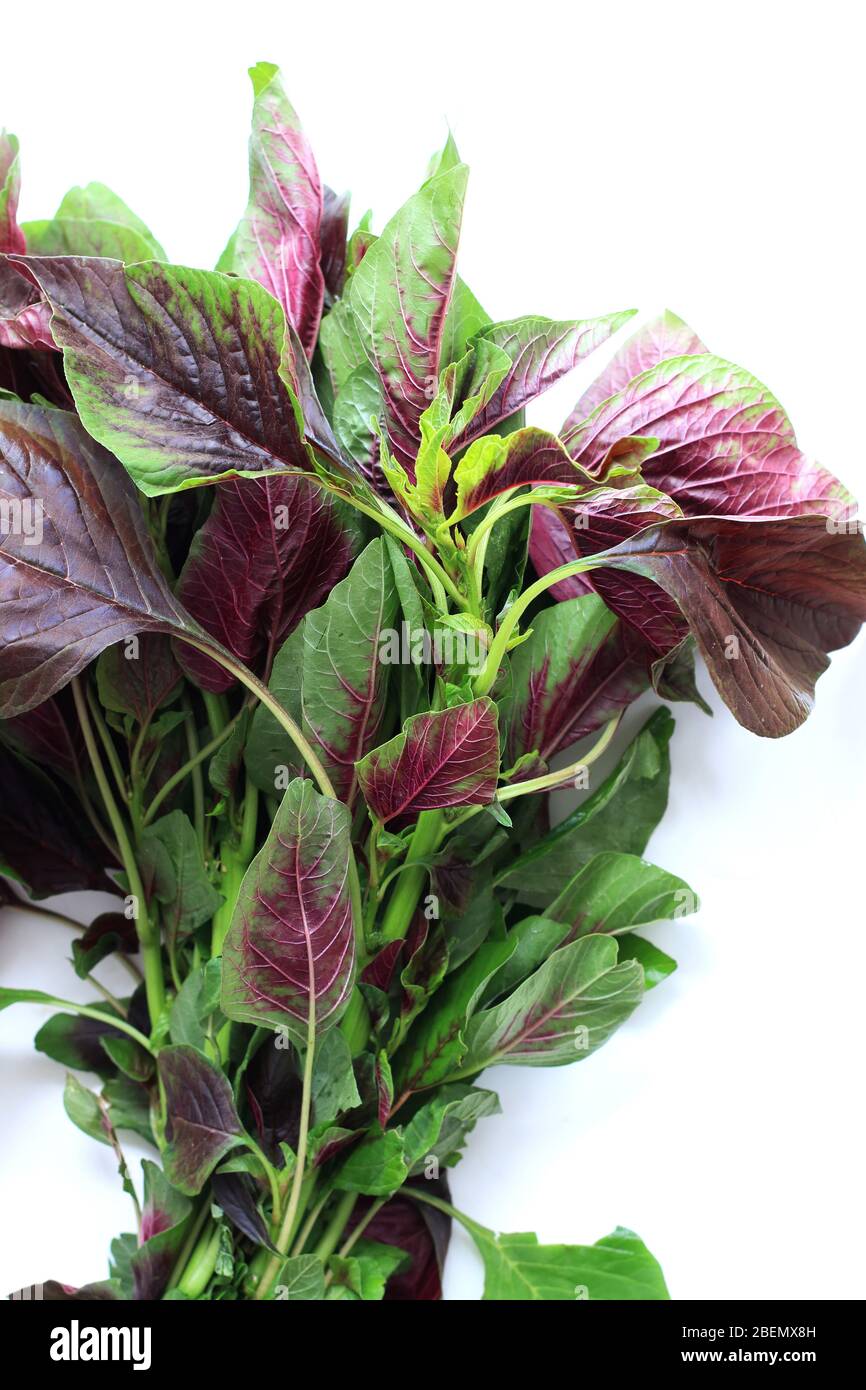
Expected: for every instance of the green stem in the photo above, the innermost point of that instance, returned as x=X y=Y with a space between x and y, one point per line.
x=287 y=1229
x=456 y=1215
x=150 y=948
x=189 y=1243
x=184 y=771
x=348 y=1245
x=270 y=1174
x=429 y=829
x=433 y=568
x=107 y=995
x=108 y=744
x=192 y=748
x=330 y=1237
x=565 y=774
x=282 y=716
x=202 y=1263
x=499 y=645
x=307 y=1228
x=216 y=710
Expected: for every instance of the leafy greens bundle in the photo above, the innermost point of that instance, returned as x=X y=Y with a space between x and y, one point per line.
x=296 y=614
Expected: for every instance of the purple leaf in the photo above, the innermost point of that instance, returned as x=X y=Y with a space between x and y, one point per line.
x=766 y=601
x=269 y=552
x=400 y=294
x=273 y=1089
x=419 y=1230
x=446 y=758
x=237 y=1194
x=666 y=336
x=43 y=842
x=94 y=578
x=277 y=239
x=334 y=236
x=138 y=680
x=290 y=951
x=44 y=736
x=541 y=352
x=201 y=1121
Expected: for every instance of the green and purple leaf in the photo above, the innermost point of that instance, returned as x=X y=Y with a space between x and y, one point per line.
x=11 y=236
x=400 y=294
x=723 y=443
x=345 y=681
x=290 y=952
x=445 y=758
x=541 y=351
x=656 y=341
x=277 y=241
x=186 y=375
x=549 y=674
x=164 y=1216
x=201 y=1123
x=562 y=1013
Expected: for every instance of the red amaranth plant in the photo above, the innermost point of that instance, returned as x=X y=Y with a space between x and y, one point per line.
x=295 y=614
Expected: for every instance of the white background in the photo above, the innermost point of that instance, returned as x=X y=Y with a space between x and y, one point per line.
x=707 y=157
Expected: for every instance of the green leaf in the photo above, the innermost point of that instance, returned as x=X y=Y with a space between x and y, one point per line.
x=128 y=1106
x=656 y=965
x=128 y=1057
x=69 y=236
x=192 y=899
x=365 y=1273
x=518 y=1269
x=480 y=919
x=98 y=203
x=569 y=1007
x=534 y=940
x=377 y=1166
x=614 y=892
x=440 y=1128
x=301 y=1279
x=84 y=1110
x=435 y=1046
x=334 y=1088
x=620 y=815
x=196 y=1001
x=344 y=679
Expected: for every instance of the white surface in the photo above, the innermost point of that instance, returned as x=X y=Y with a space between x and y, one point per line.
x=704 y=157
